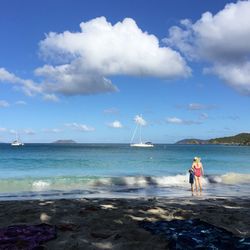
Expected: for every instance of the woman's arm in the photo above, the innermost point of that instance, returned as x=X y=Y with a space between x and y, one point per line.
x=202 y=170
x=192 y=167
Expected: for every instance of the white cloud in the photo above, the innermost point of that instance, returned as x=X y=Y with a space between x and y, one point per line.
x=20 y=102
x=199 y=106
x=235 y=74
x=139 y=120
x=3 y=129
x=175 y=120
x=111 y=111
x=195 y=106
x=80 y=127
x=83 y=60
x=223 y=40
x=7 y=76
x=115 y=124
x=4 y=104
x=50 y=97
x=29 y=132
x=52 y=130
x=28 y=86
x=81 y=63
x=72 y=80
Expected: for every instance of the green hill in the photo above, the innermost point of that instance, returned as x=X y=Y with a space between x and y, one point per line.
x=240 y=139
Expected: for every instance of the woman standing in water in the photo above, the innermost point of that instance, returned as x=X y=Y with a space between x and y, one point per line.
x=198 y=172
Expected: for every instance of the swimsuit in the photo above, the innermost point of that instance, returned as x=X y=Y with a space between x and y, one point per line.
x=197 y=171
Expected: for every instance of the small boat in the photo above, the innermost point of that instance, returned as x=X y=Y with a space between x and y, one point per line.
x=140 y=144
x=17 y=142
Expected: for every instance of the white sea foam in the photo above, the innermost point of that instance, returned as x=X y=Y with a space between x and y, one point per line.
x=144 y=181
x=40 y=185
x=136 y=181
x=235 y=178
x=177 y=180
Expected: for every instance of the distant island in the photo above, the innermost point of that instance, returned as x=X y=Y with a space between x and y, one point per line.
x=65 y=141
x=242 y=139
x=192 y=141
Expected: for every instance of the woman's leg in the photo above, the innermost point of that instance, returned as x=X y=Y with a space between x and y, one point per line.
x=199 y=181
x=196 y=183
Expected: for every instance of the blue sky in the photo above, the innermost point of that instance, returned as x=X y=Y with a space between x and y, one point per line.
x=83 y=70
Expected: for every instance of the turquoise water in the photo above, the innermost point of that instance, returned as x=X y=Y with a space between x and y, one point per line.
x=117 y=170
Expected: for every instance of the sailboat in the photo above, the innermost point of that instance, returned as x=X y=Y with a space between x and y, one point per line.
x=139 y=123
x=17 y=142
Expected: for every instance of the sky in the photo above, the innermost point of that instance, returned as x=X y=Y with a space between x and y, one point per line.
x=91 y=71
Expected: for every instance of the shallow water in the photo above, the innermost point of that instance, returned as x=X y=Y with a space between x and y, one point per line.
x=117 y=170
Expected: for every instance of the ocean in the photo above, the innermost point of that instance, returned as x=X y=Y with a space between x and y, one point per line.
x=44 y=171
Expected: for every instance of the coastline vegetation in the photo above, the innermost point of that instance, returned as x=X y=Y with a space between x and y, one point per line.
x=242 y=139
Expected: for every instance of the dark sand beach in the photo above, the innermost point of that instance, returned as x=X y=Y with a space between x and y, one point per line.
x=115 y=223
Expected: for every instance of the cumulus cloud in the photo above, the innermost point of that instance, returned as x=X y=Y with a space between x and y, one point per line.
x=3 y=129
x=4 y=104
x=176 y=120
x=84 y=60
x=80 y=127
x=115 y=124
x=235 y=74
x=82 y=63
x=223 y=40
x=139 y=120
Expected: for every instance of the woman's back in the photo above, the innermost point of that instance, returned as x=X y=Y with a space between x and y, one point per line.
x=197 y=168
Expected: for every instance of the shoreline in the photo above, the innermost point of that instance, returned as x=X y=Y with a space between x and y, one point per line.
x=113 y=223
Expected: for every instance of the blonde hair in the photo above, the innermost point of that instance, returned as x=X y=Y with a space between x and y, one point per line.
x=197 y=159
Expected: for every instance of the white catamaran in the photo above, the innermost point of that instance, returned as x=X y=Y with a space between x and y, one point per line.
x=17 y=142
x=139 y=123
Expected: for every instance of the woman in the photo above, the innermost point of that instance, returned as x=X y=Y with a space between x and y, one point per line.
x=198 y=172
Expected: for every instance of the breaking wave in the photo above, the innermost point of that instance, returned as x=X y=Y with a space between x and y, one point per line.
x=230 y=179
x=40 y=185
x=92 y=182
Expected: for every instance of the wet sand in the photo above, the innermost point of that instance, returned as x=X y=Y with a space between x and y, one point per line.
x=113 y=223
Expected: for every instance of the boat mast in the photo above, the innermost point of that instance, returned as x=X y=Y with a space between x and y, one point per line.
x=140 y=134
x=134 y=134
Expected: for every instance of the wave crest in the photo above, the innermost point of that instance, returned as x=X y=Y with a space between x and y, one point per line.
x=40 y=185
x=93 y=182
x=235 y=178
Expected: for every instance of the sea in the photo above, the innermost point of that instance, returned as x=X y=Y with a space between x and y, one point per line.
x=56 y=171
